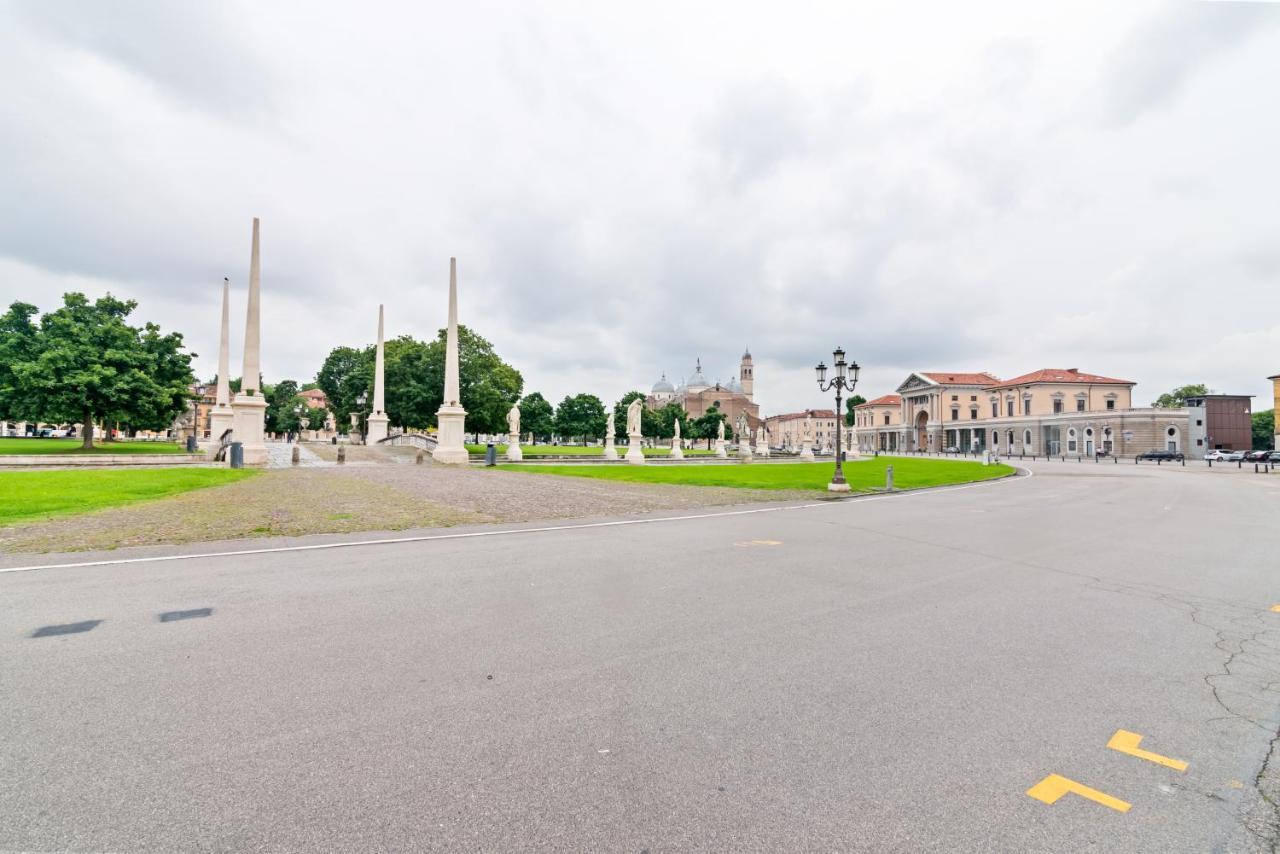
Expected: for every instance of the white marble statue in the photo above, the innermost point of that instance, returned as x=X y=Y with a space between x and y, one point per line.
x=513 y=420
x=633 y=417
x=677 y=450
x=720 y=430
x=610 y=452
x=677 y=428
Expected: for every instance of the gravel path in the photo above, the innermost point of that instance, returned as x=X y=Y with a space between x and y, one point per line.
x=365 y=496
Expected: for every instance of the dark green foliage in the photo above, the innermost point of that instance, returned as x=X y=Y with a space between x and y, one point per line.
x=582 y=415
x=537 y=417
x=1178 y=397
x=1264 y=429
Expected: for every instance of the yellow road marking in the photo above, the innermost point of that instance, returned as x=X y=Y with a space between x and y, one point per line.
x=1127 y=742
x=1055 y=786
x=759 y=543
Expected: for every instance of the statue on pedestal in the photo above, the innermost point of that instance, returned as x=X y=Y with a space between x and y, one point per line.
x=677 y=453
x=762 y=442
x=744 y=438
x=513 y=434
x=720 y=450
x=634 y=438
x=610 y=452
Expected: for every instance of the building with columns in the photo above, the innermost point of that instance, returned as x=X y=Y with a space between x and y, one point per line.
x=1052 y=411
x=812 y=428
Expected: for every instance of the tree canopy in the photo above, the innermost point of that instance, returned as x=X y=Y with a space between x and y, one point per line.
x=704 y=426
x=1178 y=397
x=854 y=400
x=537 y=416
x=581 y=415
x=1264 y=429
x=84 y=363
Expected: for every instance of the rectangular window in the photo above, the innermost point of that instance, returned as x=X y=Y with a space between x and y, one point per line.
x=1071 y=445
x=886 y=419
x=1026 y=406
x=1111 y=404
x=1199 y=422
x=1080 y=405
x=954 y=398
x=955 y=414
x=1057 y=406
x=1009 y=407
x=973 y=415
x=973 y=398
x=995 y=409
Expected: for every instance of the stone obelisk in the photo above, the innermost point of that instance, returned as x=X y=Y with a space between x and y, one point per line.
x=249 y=406
x=377 y=429
x=451 y=417
x=221 y=419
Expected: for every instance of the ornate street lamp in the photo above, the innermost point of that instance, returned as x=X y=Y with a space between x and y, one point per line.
x=846 y=379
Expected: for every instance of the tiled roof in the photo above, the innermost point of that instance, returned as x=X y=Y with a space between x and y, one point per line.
x=960 y=378
x=1060 y=375
x=811 y=413
x=883 y=400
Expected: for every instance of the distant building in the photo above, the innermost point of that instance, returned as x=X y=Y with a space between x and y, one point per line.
x=695 y=395
x=1220 y=422
x=315 y=398
x=1053 y=411
x=814 y=428
x=1275 y=407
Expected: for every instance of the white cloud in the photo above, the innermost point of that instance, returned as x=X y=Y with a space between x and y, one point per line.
x=972 y=188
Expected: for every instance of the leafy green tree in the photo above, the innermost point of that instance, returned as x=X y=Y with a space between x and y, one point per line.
x=1264 y=429
x=704 y=426
x=17 y=342
x=346 y=374
x=537 y=416
x=650 y=424
x=854 y=400
x=581 y=415
x=281 y=401
x=665 y=419
x=87 y=364
x=314 y=417
x=1178 y=397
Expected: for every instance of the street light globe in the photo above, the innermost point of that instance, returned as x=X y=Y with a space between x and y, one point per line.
x=822 y=372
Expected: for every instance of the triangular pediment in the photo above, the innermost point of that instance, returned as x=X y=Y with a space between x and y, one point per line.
x=916 y=382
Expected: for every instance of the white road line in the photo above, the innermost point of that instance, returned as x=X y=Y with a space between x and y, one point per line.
x=507 y=531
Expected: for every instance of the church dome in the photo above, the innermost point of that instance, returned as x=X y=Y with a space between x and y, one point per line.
x=697 y=381
x=663 y=387
x=734 y=385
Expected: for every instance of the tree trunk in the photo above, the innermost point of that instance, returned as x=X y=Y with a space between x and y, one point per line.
x=86 y=443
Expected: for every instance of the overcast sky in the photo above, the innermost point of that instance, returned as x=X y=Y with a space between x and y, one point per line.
x=949 y=186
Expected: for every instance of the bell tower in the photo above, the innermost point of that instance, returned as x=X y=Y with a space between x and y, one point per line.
x=746 y=375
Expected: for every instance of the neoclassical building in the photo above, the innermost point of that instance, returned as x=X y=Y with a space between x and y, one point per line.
x=696 y=395
x=814 y=428
x=1055 y=411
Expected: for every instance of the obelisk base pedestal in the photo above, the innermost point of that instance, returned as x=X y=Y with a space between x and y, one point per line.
x=450 y=449
x=221 y=419
x=376 y=430
x=250 y=414
x=635 y=455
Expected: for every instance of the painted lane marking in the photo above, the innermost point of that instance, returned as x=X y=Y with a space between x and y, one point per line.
x=1053 y=787
x=347 y=544
x=759 y=543
x=1127 y=742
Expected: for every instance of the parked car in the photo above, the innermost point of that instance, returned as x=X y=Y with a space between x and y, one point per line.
x=1102 y=452
x=1274 y=457
x=1232 y=456
x=1257 y=456
x=1217 y=456
x=1165 y=456
x=950 y=449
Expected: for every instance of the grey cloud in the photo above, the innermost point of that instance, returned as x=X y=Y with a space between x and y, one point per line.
x=1158 y=59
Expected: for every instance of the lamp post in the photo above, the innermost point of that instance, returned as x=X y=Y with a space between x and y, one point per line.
x=297 y=410
x=360 y=401
x=846 y=379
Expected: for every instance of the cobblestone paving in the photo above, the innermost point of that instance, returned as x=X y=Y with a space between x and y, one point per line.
x=361 y=496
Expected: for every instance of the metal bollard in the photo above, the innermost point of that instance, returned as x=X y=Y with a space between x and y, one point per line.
x=490 y=455
x=888 y=478
x=342 y=454
x=1239 y=464
x=191 y=444
x=297 y=455
x=237 y=455
x=1079 y=458
x=1255 y=468
x=1157 y=463
x=1184 y=462
x=421 y=454
x=1210 y=462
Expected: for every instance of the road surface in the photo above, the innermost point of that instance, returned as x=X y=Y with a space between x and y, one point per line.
x=877 y=675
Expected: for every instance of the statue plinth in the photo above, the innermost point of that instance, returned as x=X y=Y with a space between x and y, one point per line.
x=450 y=448
x=513 y=448
x=610 y=452
x=806 y=453
x=635 y=455
x=377 y=429
x=677 y=453
x=249 y=413
x=744 y=451
x=721 y=451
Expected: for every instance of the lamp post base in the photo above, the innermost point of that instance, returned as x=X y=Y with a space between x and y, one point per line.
x=837 y=487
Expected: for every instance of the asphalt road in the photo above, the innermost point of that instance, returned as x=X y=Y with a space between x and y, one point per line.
x=876 y=675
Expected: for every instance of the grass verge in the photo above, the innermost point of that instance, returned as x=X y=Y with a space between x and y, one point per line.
x=31 y=495
x=10 y=446
x=862 y=475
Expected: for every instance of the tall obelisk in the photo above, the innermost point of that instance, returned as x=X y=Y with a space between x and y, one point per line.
x=451 y=417
x=377 y=429
x=221 y=418
x=249 y=406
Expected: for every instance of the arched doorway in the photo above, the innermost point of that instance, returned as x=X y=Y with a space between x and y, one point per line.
x=922 y=430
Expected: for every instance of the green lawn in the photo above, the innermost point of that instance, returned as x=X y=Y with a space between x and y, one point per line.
x=10 y=446
x=28 y=495
x=587 y=451
x=863 y=476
